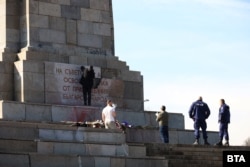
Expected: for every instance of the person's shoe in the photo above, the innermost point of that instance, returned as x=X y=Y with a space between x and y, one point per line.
x=196 y=142
x=206 y=143
x=219 y=143
x=226 y=144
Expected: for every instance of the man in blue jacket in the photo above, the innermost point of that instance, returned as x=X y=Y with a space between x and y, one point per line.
x=199 y=112
x=224 y=120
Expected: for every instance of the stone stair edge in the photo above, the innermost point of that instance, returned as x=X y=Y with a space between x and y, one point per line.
x=190 y=147
x=54 y=126
x=64 y=105
x=77 y=155
x=68 y=142
x=47 y=147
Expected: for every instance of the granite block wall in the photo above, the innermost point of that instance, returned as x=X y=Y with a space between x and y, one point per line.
x=57 y=26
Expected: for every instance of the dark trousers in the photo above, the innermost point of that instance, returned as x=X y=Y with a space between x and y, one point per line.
x=164 y=133
x=200 y=124
x=223 y=131
x=87 y=96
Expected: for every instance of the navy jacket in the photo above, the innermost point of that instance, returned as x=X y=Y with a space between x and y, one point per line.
x=224 y=114
x=199 y=110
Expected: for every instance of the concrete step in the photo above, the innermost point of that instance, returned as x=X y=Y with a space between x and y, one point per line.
x=58 y=132
x=180 y=155
x=67 y=148
x=51 y=160
x=64 y=139
x=34 y=144
x=19 y=111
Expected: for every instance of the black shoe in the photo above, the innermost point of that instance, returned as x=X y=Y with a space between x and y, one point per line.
x=206 y=143
x=219 y=143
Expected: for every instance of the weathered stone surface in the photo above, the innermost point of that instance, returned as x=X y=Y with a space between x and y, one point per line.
x=131 y=76
x=133 y=90
x=29 y=81
x=53 y=161
x=102 y=29
x=100 y=4
x=53 y=36
x=70 y=12
x=42 y=20
x=90 y=40
x=36 y=112
x=6 y=82
x=7 y=57
x=85 y=27
x=50 y=9
x=21 y=160
x=56 y=23
x=39 y=21
x=91 y=15
x=81 y=3
x=12 y=111
x=71 y=35
x=114 y=162
x=17 y=146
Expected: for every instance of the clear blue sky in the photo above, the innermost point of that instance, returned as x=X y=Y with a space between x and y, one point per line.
x=189 y=48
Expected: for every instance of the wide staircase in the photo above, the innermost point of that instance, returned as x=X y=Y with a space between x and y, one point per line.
x=180 y=155
x=37 y=144
x=33 y=144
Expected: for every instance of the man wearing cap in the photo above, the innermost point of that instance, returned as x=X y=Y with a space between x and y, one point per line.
x=199 y=112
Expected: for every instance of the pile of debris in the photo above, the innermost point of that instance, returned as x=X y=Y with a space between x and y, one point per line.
x=100 y=124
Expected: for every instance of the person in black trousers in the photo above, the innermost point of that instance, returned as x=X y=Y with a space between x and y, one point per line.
x=87 y=81
x=199 y=112
x=224 y=120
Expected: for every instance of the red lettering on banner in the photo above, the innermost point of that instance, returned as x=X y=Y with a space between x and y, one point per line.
x=66 y=88
x=104 y=83
x=101 y=91
x=72 y=96
x=77 y=89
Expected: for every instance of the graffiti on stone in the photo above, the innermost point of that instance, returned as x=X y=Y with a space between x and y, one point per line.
x=62 y=85
x=97 y=51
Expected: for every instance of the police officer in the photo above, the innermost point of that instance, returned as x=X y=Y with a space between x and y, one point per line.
x=199 y=112
x=224 y=120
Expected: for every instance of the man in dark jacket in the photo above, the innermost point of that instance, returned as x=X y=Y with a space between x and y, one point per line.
x=89 y=83
x=86 y=81
x=199 y=112
x=224 y=120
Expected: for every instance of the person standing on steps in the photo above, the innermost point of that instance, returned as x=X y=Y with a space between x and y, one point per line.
x=162 y=119
x=199 y=112
x=224 y=120
x=89 y=84
x=109 y=115
x=86 y=81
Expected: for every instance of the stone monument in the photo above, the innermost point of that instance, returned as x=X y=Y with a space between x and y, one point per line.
x=44 y=43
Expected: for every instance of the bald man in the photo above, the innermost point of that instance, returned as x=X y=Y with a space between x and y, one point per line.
x=199 y=112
